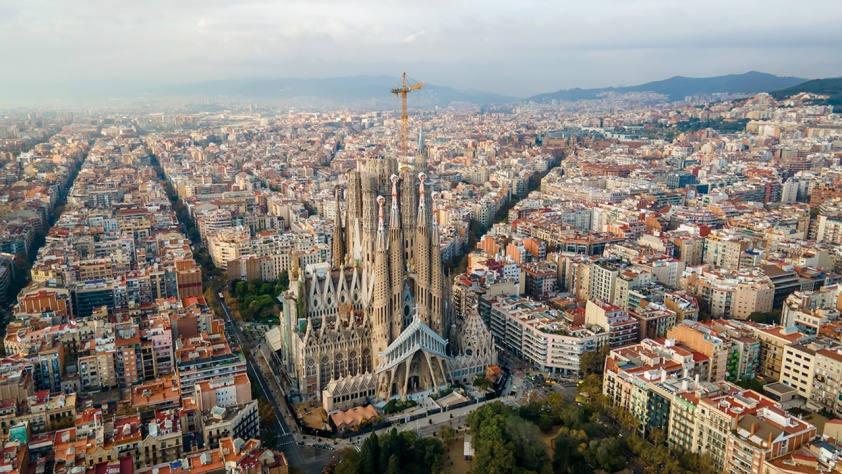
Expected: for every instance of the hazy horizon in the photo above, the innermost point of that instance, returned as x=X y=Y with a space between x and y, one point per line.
x=515 y=49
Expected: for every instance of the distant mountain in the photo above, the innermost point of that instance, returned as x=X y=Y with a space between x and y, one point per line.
x=679 y=87
x=830 y=87
x=344 y=90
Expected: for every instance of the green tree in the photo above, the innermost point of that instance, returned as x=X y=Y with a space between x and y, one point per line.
x=267 y=289
x=569 y=451
x=594 y=362
x=241 y=289
x=282 y=283
x=482 y=383
x=493 y=454
x=369 y=455
x=607 y=453
x=64 y=423
x=350 y=462
x=625 y=418
x=773 y=317
x=394 y=465
x=751 y=384
x=530 y=451
x=265 y=411
x=447 y=434
x=545 y=422
x=590 y=392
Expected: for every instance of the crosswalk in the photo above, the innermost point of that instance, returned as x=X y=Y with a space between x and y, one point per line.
x=290 y=439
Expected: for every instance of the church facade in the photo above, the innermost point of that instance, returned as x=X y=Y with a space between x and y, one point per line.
x=377 y=321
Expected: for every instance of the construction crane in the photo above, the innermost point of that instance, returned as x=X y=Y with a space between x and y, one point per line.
x=401 y=92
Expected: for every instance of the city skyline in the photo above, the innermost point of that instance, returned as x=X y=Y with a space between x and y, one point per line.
x=495 y=47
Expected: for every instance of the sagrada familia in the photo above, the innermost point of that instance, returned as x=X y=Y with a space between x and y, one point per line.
x=377 y=321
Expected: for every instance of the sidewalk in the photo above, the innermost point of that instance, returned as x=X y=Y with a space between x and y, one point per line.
x=454 y=417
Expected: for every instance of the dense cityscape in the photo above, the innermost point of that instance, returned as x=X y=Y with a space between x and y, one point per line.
x=619 y=284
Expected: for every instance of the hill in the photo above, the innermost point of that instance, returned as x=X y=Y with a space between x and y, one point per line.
x=679 y=87
x=830 y=87
x=343 y=90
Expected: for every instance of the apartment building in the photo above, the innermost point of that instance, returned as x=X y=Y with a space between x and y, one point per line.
x=541 y=279
x=765 y=435
x=223 y=392
x=543 y=336
x=724 y=249
x=631 y=371
x=203 y=358
x=827 y=382
x=732 y=294
x=703 y=340
x=683 y=304
x=798 y=368
x=654 y=321
x=235 y=421
x=228 y=244
x=622 y=329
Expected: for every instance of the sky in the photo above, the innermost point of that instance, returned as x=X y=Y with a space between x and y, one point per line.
x=512 y=47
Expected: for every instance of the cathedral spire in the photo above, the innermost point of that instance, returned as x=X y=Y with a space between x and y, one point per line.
x=354 y=213
x=381 y=222
x=421 y=138
x=395 y=217
x=422 y=255
x=381 y=308
x=421 y=154
x=422 y=201
x=338 y=247
x=437 y=316
x=409 y=206
x=397 y=265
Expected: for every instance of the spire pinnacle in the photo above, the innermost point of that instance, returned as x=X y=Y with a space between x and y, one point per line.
x=435 y=235
x=420 y=138
x=421 y=196
x=380 y=214
x=395 y=178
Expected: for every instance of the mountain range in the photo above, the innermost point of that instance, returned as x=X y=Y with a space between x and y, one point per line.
x=344 y=90
x=679 y=87
x=832 y=88
x=373 y=90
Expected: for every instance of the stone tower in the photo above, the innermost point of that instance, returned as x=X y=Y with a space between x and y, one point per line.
x=353 y=209
x=409 y=205
x=421 y=154
x=396 y=262
x=422 y=255
x=369 y=218
x=338 y=245
x=381 y=307
x=437 y=320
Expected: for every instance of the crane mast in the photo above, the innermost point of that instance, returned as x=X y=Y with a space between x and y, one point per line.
x=401 y=92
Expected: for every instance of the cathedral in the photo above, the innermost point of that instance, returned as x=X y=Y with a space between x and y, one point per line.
x=377 y=320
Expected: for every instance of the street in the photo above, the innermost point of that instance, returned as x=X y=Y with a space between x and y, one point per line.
x=309 y=459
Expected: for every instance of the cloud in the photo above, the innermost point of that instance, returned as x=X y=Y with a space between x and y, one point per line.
x=414 y=36
x=517 y=48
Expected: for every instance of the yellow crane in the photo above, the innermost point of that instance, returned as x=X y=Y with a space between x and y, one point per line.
x=401 y=92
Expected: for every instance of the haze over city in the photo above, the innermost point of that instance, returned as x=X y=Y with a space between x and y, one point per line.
x=518 y=49
x=431 y=237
